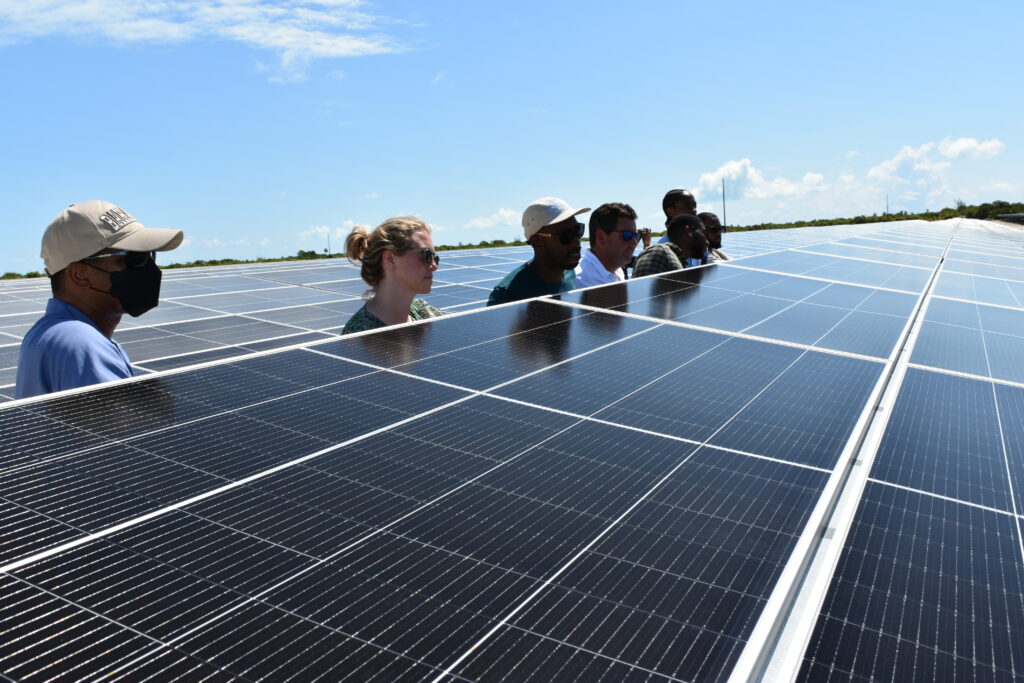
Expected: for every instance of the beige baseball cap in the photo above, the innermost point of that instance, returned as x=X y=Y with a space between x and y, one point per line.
x=545 y=211
x=87 y=228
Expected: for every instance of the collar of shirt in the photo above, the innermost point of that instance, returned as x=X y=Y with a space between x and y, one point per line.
x=590 y=262
x=59 y=308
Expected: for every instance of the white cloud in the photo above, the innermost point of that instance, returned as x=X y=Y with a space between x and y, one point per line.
x=887 y=170
x=217 y=242
x=852 y=153
x=970 y=147
x=500 y=218
x=264 y=242
x=319 y=233
x=748 y=181
x=921 y=158
x=296 y=31
x=371 y=195
x=438 y=78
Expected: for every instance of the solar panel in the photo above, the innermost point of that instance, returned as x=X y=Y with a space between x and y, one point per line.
x=629 y=482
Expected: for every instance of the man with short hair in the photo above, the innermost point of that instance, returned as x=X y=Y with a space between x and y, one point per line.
x=613 y=239
x=101 y=264
x=551 y=228
x=686 y=248
x=713 y=230
x=677 y=202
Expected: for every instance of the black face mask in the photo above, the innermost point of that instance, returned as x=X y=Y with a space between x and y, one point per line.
x=138 y=288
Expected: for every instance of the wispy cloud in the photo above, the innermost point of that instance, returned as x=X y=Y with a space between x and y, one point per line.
x=297 y=32
x=438 y=78
x=922 y=159
x=500 y=218
x=319 y=233
x=371 y=195
x=215 y=242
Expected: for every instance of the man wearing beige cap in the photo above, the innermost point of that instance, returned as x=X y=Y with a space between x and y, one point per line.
x=552 y=230
x=101 y=264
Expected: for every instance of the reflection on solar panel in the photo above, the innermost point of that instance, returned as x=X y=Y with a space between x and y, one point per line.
x=805 y=463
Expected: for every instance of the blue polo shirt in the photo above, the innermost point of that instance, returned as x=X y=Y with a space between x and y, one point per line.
x=65 y=350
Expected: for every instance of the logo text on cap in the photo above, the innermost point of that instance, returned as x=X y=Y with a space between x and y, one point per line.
x=117 y=218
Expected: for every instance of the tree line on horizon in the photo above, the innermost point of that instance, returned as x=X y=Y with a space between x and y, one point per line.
x=984 y=211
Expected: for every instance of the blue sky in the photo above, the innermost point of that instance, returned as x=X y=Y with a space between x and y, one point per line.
x=262 y=127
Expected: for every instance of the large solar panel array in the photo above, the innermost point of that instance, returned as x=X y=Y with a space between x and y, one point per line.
x=212 y=313
x=780 y=467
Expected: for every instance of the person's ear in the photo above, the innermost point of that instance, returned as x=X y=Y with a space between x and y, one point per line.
x=77 y=275
x=389 y=260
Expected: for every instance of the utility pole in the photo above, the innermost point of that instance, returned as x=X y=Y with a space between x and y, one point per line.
x=724 y=221
x=886 y=203
x=328 y=241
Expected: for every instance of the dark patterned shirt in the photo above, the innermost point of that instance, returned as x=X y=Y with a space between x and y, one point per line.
x=364 y=320
x=659 y=258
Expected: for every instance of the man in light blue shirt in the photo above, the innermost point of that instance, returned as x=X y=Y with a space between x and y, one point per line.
x=101 y=263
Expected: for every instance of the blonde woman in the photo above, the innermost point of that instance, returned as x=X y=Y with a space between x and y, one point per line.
x=398 y=262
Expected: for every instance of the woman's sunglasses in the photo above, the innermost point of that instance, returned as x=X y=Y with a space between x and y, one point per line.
x=429 y=256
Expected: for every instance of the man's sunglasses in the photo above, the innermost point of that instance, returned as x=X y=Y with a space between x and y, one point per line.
x=132 y=259
x=566 y=237
x=429 y=256
x=629 y=235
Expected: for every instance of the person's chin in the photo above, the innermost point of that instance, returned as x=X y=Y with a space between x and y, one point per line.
x=428 y=284
x=572 y=261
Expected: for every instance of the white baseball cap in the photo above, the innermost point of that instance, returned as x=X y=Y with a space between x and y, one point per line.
x=87 y=228
x=545 y=211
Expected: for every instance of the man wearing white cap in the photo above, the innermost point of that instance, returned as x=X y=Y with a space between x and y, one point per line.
x=101 y=264
x=551 y=228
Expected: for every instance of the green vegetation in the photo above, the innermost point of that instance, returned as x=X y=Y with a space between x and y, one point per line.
x=982 y=211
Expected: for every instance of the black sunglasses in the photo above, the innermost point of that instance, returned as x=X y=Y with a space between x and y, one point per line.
x=132 y=259
x=566 y=237
x=429 y=256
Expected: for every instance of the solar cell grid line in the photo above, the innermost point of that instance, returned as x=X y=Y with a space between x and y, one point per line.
x=783 y=631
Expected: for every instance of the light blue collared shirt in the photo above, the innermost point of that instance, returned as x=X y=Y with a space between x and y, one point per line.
x=65 y=350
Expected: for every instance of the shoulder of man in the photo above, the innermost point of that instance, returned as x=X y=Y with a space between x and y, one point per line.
x=504 y=291
x=73 y=354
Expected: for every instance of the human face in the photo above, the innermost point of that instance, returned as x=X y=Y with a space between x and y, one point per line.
x=559 y=243
x=713 y=230
x=693 y=242
x=411 y=270
x=687 y=204
x=615 y=243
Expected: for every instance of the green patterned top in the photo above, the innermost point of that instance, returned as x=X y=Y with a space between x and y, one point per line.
x=363 y=320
